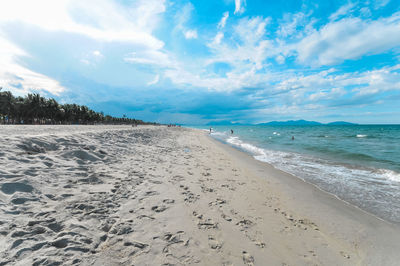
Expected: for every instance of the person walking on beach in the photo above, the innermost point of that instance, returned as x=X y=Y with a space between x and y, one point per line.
x=231 y=131
x=210 y=130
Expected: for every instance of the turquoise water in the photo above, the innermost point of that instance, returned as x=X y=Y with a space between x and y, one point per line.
x=359 y=163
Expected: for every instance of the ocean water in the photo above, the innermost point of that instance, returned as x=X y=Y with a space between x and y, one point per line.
x=360 y=164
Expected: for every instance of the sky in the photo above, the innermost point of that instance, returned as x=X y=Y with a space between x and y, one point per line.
x=201 y=61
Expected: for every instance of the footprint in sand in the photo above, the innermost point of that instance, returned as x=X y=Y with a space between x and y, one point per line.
x=259 y=244
x=213 y=243
x=189 y=196
x=345 y=255
x=206 y=189
x=207 y=224
x=160 y=208
x=247 y=258
x=217 y=202
x=121 y=229
x=138 y=247
x=226 y=218
x=244 y=224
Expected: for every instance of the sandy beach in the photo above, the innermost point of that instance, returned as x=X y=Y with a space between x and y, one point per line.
x=148 y=195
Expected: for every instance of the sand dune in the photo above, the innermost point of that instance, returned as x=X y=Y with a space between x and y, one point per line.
x=165 y=196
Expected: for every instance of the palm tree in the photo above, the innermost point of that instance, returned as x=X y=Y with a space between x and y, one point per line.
x=51 y=110
x=6 y=107
x=34 y=109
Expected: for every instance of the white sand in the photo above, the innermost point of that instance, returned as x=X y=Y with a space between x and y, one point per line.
x=115 y=195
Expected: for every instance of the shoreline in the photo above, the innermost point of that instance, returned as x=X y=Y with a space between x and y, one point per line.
x=364 y=182
x=159 y=195
x=305 y=181
x=312 y=194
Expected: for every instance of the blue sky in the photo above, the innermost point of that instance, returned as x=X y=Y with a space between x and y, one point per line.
x=195 y=62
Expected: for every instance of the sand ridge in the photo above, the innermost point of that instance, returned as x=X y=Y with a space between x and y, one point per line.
x=148 y=196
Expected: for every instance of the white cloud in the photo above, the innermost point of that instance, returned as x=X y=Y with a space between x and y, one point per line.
x=93 y=58
x=295 y=25
x=280 y=59
x=349 y=38
x=327 y=94
x=250 y=50
x=223 y=20
x=343 y=10
x=365 y=12
x=97 y=53
x=239 y=6
x=181 y=20
x=27 y=81
x=182 y=17
x=118 y=23
x=218 y=38
x=154 y=81
x=19 y=78
x=244 y=57
x=191 y=34
x=251 y=30
x=247 y=48
x=289 y=94
x=329 y=85
x=375 y=81
x=101 y=20
x=149 y=57
x=380 y=3
x=233 y=80
x=290 y=24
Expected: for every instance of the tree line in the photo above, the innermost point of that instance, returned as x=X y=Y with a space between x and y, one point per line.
x=35 y=109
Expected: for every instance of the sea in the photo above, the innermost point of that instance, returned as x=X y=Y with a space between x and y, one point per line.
x=360 y=164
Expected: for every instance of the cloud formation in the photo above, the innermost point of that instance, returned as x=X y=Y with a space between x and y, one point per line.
x=191 y=34
x=223 y=20
x=349 y=38
x=239 y=6
x=20 y=78
x=291 y=62
x=131 y=24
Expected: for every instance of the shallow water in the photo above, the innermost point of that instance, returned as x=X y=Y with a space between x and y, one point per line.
x=360 y=163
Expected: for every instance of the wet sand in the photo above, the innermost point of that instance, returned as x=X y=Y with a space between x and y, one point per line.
x=117 y=195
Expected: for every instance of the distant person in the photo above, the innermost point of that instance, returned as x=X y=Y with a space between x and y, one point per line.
x=210 y=130
x=292 y=137
x=231 y=131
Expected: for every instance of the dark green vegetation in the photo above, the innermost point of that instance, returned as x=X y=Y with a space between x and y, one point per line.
x=34 y=109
